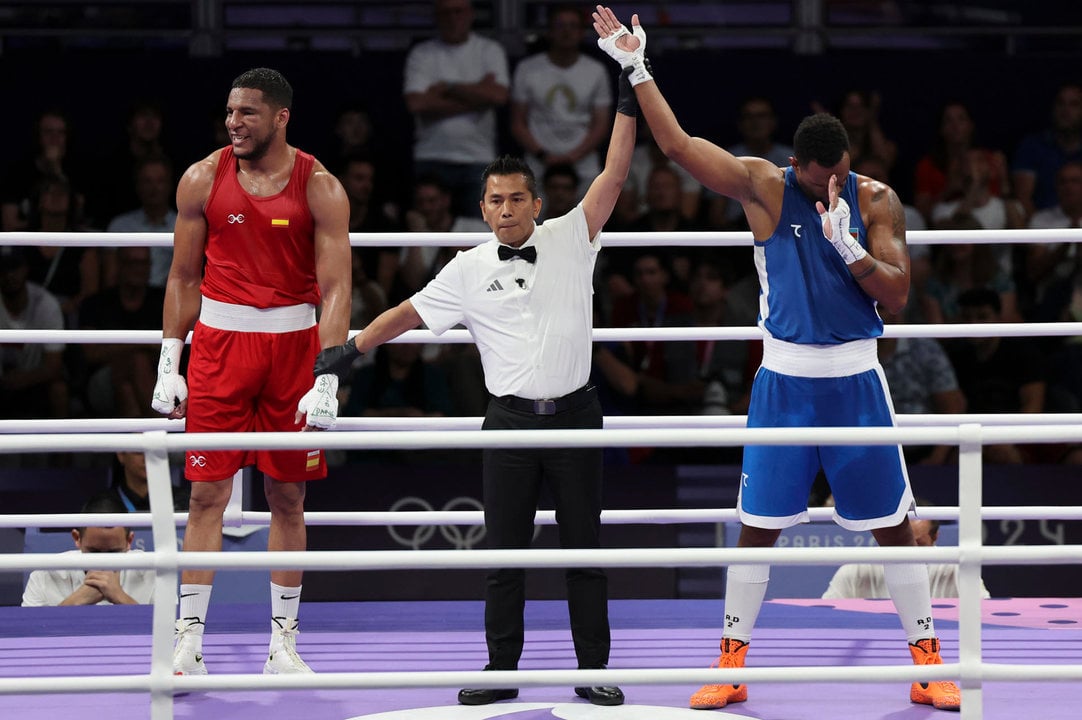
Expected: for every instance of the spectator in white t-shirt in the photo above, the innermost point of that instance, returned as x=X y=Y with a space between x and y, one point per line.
x=453 y=83
x=561 y=101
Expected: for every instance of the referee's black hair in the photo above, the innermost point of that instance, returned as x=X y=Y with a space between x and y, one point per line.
x=509 y=165
x=820 y=138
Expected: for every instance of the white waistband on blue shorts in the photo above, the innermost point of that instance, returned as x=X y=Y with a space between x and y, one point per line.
x=849 y=358
x=244 y=318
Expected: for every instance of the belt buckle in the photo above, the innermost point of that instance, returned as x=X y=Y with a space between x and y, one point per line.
x=544 y=407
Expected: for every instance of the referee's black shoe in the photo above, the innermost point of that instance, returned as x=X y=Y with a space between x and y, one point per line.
x=485 y=696
x=601 y=695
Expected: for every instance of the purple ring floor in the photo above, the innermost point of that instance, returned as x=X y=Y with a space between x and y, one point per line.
x=416 y=636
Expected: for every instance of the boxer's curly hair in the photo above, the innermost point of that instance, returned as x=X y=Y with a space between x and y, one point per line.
x=820 y=138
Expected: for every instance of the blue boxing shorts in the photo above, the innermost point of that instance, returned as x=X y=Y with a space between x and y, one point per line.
x=836 y=386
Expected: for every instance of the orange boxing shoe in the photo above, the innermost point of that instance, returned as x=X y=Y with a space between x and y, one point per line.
x=942 y=694
x=712 y=697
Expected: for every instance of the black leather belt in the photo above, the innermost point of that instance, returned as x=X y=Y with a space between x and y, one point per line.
x=548 y=406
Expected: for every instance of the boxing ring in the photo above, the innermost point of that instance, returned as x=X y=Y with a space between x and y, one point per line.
x=405 y=660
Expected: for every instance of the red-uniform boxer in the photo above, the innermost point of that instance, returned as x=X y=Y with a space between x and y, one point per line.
x=261 y=239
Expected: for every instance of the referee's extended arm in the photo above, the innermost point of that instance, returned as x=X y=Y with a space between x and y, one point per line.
x=388 y=325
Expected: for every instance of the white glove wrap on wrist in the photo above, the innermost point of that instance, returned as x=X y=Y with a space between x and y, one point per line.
x=170 y=390
x=635 y=59
x=639 y=73
x=320 y=404
x=836 y=229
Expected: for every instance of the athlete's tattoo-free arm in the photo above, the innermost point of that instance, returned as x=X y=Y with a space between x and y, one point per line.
x=746 y=180
x=330 y=210
x=884 y=274
x=182 y=298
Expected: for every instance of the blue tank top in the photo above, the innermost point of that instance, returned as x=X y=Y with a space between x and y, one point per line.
x=807 y=294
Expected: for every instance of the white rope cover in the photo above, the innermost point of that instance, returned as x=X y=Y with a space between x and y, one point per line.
x=609 y=239
x=154 y=337
x=612 y=422
x=411 y=518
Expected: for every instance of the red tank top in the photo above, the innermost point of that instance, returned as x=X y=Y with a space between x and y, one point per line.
x=260 y=250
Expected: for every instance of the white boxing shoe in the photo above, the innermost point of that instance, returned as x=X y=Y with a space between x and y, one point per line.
x=188 y=651
x=282 y=658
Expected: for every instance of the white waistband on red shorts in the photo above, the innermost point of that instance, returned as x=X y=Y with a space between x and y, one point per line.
x=244 y=318
x=849 y=358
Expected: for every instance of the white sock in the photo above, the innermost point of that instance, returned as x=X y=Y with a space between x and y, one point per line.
x=194 y=600
x=911 y=592
x=745 y=588
x=285 y=601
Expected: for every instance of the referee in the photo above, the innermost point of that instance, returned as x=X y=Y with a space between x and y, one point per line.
x=526 y=297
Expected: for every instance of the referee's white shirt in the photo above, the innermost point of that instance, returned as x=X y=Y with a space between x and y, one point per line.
x=533 y=323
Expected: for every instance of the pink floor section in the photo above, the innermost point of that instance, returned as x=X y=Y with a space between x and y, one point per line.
x=1047 y=613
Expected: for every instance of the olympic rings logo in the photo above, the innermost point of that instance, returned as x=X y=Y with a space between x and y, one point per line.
x=197 y=460
x=451 y=533
x=238 y=218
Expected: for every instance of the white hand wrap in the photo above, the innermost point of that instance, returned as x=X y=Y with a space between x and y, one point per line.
x=836 y=229
x=170 y=390
x=635 y=59
x=320 y=404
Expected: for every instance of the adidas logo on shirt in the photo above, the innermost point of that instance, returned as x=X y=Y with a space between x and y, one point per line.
x=495 y=286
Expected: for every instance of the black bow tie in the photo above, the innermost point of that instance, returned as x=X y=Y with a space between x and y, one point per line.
x=529 y=254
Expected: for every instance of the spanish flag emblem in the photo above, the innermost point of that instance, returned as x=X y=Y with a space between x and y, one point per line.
x=280 y=222
x=312 y=462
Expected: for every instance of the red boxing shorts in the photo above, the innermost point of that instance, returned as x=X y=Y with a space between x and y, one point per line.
x=245 y=382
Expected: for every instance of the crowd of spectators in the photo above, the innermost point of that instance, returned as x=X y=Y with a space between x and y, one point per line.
x=460 y=87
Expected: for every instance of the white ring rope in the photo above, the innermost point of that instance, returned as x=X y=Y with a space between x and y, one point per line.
x=970 y=554
x=459 y=336
x=527 y=678
x=412 y=518
x=619 y=239
x=609 y=239
x=478 y=439
x=612 y=422
x=545 y=558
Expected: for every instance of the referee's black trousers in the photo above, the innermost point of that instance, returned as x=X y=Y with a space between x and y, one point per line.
x=512 y=483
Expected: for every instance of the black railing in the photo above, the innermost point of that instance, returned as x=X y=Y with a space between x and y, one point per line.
x=209 y=27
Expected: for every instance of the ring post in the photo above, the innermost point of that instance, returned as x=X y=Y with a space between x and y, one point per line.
x=160 y=488
x=970 y=487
